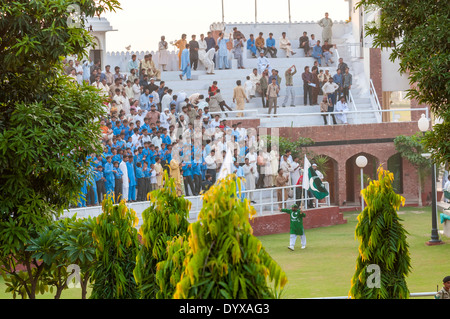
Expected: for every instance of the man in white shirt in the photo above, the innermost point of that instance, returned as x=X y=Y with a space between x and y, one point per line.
x=125 y=180
x=211 y=165
x=285 y=45
x=254 y=78
x=166 y=99
x=263 y=63
x=157 y=140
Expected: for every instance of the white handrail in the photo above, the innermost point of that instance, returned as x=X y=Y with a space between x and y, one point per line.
x=375 y=101
x=352 y=103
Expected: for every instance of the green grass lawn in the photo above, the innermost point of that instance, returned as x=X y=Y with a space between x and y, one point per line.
x=326 y=266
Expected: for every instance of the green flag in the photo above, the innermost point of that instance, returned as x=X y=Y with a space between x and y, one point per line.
x=313 y=182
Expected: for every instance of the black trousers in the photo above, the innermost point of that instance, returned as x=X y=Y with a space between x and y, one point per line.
x=118 y=190
x=197 y=184
x=140 y=189
x=91 y=197
x=194 y=62
x=188 y=181
x=307 y=91
x=101 y=191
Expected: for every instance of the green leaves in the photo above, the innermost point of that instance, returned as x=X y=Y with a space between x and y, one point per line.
x=382 y=242
x=116 y=245
x=417 y=33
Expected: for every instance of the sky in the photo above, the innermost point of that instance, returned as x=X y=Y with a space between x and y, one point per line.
x=141 y=23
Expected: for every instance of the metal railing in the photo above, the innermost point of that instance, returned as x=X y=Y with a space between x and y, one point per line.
x=411 y=295
x=375 y=101
x=266 y=200
x=358 y=112
x=351 y=101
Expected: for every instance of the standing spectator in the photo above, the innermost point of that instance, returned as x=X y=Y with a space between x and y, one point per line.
x=342 y=108
x=290 y=91
x=282 y=194
x=304 y=43
x=250 y=178
x=316 y=87
x=185 y=64
x=272 y=94
x=163 y=53
x=181 y=45
x=326 y=24
x=347 y=83
x=254 y=78
x=329 y=89
x=193 y=52
x=238 y=52
x=338 y=79
x=326 y=106
x=342 y=65
x=264 y=84
x=307 y=78
x=270 y=43
x=223 y=51
x=239 y=98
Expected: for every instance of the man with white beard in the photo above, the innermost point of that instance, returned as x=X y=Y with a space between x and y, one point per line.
x=125 y=180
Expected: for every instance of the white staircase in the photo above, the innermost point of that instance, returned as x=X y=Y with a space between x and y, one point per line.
x=294 y=116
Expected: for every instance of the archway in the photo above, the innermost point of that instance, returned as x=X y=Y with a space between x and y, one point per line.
x=95 y=53
x=353 y=176
x=395 y=166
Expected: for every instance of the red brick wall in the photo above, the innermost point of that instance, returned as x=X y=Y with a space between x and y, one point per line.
x=376 y=72
x=279 y=223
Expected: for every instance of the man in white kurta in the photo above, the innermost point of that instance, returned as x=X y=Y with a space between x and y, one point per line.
x=163 y=53
x=326 y=24
x=254 y=78
x=125 y=180
x=341 y=107
x=250 y=178
x=285 y=45
x=202 y=45
x=208 y=61
x=263 y=63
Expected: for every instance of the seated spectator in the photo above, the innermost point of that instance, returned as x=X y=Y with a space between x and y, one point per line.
x=317 y=53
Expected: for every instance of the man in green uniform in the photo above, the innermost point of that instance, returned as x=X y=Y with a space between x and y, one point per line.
x=296 y=226
x=444 y=292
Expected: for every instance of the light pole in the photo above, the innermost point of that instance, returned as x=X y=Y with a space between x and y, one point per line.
x=361 y=162
x=424 y=124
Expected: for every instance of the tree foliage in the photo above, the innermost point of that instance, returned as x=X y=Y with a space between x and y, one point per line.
x=382 y=242
x=224 y=260
x=417 y=32
x=48 y=125
x=116 y=247
x=167 y=217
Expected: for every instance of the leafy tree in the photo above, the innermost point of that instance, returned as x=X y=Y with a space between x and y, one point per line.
x=48 y=125
x=417 y=32
x=166 y=218
x=411 y=148
x=382 y=242
x=116 y=248
x=297 y=147
x=224 y=259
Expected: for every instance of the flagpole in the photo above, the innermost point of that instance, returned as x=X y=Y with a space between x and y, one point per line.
x=289 y=9
x=223 y=16
x=256 y=19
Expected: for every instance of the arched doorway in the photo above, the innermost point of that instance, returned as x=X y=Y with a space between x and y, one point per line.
x=95 y=53
x=353 y=176
x=395 y=166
